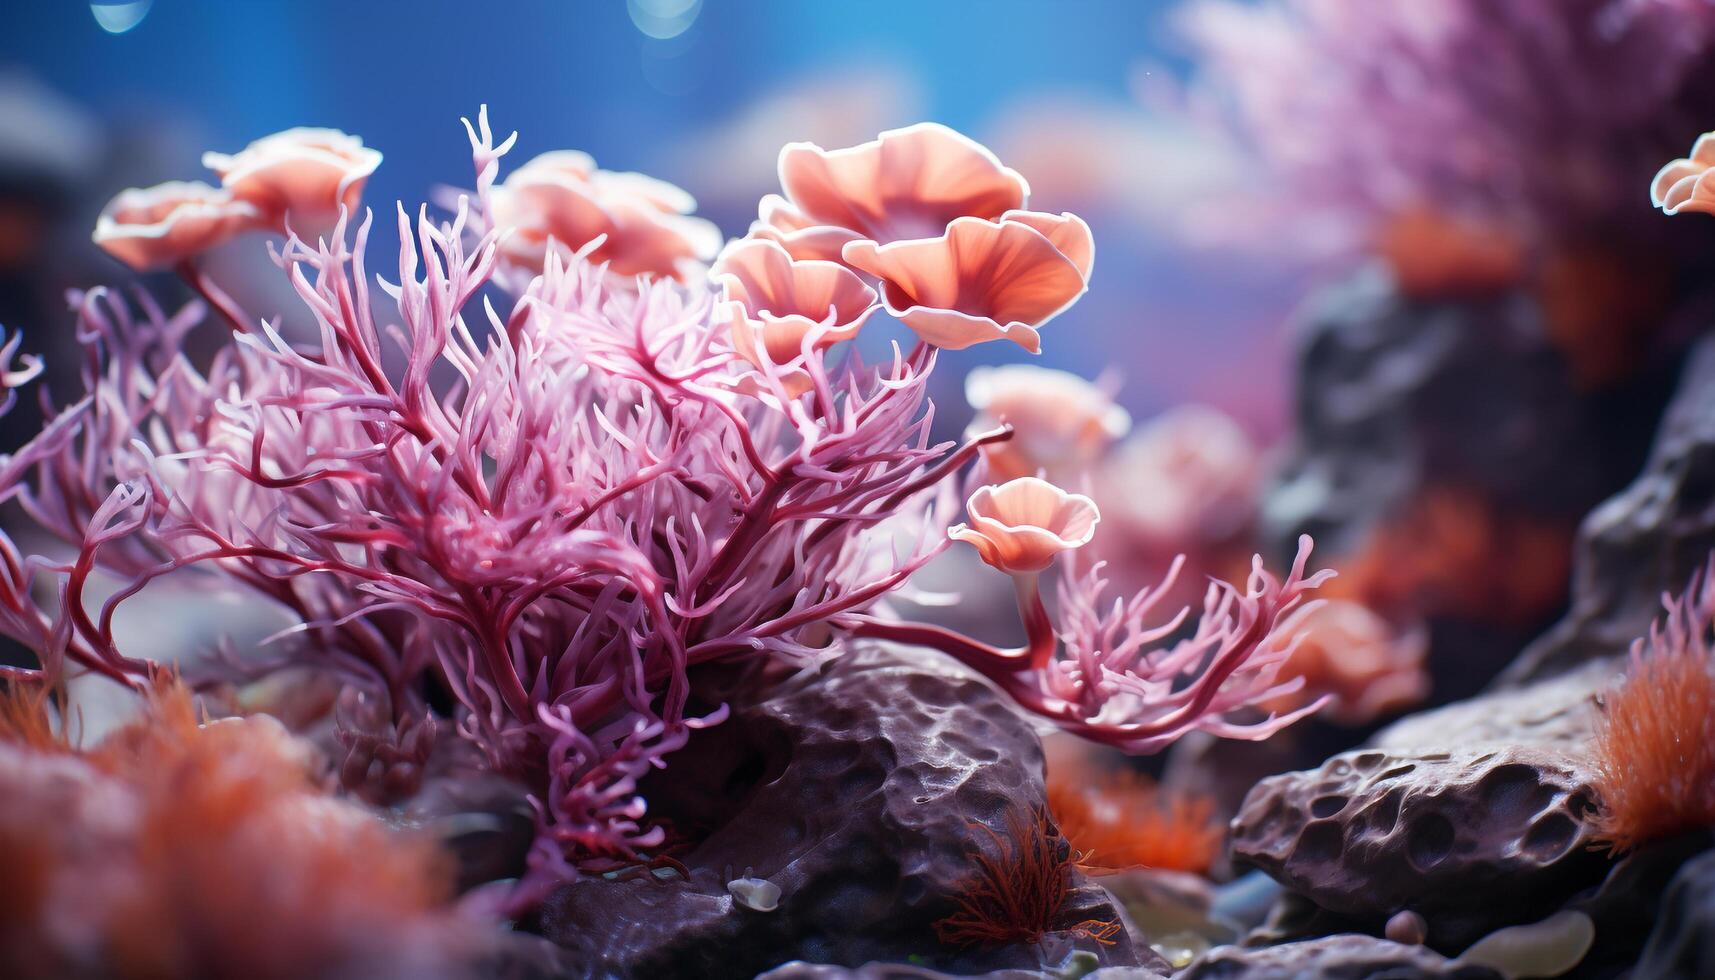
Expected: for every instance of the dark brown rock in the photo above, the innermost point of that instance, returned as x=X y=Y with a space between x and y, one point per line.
x=1469 y=838
x=1398 y=399
x=1682 y=944
x=1644 y=541
x=854 y=792
x=1346 y=957
x=1626 y=906
x=1391 y=390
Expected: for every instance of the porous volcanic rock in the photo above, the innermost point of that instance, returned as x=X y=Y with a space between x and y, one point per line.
x=1344 y=957
x=1682 y=945
x=854 y=791
x=1644 y=541
x=1471 y=838
x=1559 y=710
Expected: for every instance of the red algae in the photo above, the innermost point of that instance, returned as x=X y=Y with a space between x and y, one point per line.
x=1021 y=885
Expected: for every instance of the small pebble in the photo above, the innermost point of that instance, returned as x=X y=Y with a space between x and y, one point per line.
x=756 y=894
x=1408 y=928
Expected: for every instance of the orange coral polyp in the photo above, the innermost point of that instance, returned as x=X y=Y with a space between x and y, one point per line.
x=1655 y=740
x=1119 y=820
x=1656 y=753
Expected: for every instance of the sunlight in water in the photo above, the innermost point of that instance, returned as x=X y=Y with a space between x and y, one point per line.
x=117 y=18
x=663 y=19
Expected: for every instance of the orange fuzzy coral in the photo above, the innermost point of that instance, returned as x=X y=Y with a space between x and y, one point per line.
x=1021 y=888
x=1120 y=819
x=205 y=849
x=1655 y=741
x=25 y=720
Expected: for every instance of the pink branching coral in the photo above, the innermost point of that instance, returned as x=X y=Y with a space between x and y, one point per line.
x=552 y=515
x=1655 y=739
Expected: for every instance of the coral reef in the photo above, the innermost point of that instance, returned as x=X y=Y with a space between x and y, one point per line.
x=618 y=489
x=535 y=553
x=602 y=552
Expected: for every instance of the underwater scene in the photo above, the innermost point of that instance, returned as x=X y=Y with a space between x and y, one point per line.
x=1197 y=489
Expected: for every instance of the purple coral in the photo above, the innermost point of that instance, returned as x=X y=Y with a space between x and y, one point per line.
x=1538 y=116
x=555 y=517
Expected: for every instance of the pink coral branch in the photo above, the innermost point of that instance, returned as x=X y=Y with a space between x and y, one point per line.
x=1106 y=687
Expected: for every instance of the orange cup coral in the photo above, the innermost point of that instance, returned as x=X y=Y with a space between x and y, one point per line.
x=980 y=280
x=941 y=223
x=776 y=303
x=1685 y=184
x=1021 y=526
x=151 y=227
x=1061 y=423
x=301 y=177
x=561 y=197
x=905 y=183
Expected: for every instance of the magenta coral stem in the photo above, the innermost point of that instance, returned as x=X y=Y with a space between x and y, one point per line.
x=198 y=280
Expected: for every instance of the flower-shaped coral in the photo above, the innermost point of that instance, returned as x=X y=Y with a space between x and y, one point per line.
x=300 y=177
x=1685 y=184
x=940 y=222
x=1021 y=526
x=983 y=280
x=151 y=227
x=562 y=197
x=776 y=303
x=1190 y=475
x=1061 y=423
x=905 y=183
